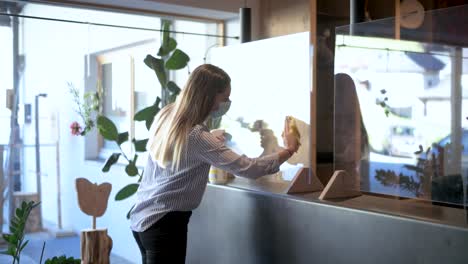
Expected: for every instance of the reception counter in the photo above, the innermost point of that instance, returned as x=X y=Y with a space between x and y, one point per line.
x=248 y=221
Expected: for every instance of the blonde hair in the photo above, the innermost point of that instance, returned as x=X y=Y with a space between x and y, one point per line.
x=170 y=129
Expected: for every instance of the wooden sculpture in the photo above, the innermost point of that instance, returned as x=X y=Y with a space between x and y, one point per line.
x=92 y=200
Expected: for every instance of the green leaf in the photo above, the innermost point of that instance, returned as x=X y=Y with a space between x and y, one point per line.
x=15 y=222
x=129 y=211
x=12 y=252
x=6 y=237
x=24 y=245
x=14 y=239
x=148 y=123
x=172 y=86
x=146 y=113
x=111 y=161
x=35 y=204
x=19 y=212
x=178 y=60
x=126 y=191
x=157 y=102
x=165 y=34
x=172 y=98
x=140 y=145
x=62 y=260
x=157 y=65
x=131 y=169
x=171 y=45
x=107 y=128
x=123 y=137
x=141 y=176
x=20 y=229
x=9 y=251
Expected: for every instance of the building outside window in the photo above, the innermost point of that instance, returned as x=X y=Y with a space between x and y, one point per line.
x=6 y=77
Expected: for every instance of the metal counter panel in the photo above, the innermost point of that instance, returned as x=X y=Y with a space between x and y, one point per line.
x=241 y=226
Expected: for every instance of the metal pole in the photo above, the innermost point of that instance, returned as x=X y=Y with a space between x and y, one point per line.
x=13 y=153
x=356 y=14
x=455 y=162
x=454 y=166
x=59 y=193
x=2 y=188
x=246 y=24
x=38 y=157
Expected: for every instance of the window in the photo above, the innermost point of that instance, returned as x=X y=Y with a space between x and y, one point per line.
x=6 y=77
x=422 y=157
x=147 y=88
x=129 y=85
x=116 y=75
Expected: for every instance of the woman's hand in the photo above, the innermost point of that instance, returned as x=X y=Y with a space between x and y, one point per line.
x=219 y=134
x=289 y=139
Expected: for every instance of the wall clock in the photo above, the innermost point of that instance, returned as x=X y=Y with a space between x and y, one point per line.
x=411 y=14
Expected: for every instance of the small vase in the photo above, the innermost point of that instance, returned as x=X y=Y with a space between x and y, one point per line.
x=218 y=176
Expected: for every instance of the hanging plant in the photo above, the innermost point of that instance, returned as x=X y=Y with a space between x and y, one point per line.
x=87 y=108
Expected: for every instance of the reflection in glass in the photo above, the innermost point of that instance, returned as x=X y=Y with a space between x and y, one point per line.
x=270 y=80
x=408 y=135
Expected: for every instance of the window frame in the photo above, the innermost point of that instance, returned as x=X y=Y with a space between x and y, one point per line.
x=97 y=152
x=96 y=61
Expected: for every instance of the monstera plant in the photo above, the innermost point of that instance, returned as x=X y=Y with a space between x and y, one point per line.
x=169 y=58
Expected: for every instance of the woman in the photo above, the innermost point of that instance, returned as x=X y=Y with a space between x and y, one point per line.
x=181 y=151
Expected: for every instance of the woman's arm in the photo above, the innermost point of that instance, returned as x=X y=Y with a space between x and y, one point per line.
x=211 y=150
x=284 y=155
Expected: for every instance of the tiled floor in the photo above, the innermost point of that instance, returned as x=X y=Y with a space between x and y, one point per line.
x=69 y=246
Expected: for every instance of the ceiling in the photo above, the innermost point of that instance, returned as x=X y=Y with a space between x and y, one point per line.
x=207 y=9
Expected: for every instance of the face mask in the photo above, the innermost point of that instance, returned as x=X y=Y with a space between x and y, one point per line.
x=222 y=109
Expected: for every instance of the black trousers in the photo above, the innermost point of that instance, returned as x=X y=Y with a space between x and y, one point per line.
x=166 y=240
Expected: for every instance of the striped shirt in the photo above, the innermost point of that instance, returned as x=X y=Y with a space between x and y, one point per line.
x=163 y=190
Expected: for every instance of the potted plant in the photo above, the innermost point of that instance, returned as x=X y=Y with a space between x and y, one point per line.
x=169 y=58
x=16 y=240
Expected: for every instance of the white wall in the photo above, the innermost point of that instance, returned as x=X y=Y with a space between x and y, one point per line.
x=55 y=54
